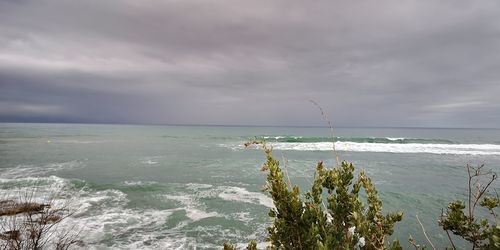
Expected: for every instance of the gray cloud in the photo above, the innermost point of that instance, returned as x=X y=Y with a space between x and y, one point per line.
x=369 y=63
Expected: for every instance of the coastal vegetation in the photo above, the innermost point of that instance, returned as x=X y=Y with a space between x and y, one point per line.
x=343 y=221
x=462 y=220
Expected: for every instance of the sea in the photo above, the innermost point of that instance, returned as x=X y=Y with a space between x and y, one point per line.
x=196 y=187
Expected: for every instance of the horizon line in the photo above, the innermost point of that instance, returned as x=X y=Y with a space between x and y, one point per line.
x=242 y=125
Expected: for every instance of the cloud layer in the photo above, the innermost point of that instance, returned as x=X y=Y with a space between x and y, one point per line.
x=368 y=63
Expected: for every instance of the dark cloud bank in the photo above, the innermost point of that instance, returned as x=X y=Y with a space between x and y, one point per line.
x=368 y=63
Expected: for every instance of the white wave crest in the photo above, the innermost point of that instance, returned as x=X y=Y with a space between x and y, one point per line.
x=453 y=149
x=395 y=138
x=243 y=195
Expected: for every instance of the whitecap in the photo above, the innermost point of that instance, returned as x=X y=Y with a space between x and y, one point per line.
x=151 y=160
x=139 y=183
x=77 y=141
x=242 y=195
x=196 y=186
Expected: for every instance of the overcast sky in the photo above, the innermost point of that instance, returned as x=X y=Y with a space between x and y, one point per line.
x=368 y=63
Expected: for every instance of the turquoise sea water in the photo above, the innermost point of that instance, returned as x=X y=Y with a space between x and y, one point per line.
x=186 y=187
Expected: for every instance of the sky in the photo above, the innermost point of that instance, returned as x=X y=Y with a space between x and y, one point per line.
x=368 y=63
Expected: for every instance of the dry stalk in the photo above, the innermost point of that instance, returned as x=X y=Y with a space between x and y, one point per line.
x=423 y=230
x=285 y=163
x=325 y=116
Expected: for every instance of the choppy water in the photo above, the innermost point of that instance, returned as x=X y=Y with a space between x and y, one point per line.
x=150 y=187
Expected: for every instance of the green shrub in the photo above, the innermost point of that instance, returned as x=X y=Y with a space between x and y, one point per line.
x=344 y=222
x=462 y=220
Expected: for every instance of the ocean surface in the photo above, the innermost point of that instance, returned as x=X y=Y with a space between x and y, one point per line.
x=195 y=187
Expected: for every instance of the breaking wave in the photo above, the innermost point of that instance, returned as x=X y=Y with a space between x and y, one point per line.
x=454 y=149
x=378 y=145
x=395 y=140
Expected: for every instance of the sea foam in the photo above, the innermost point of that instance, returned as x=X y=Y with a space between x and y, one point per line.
x=40 y=170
